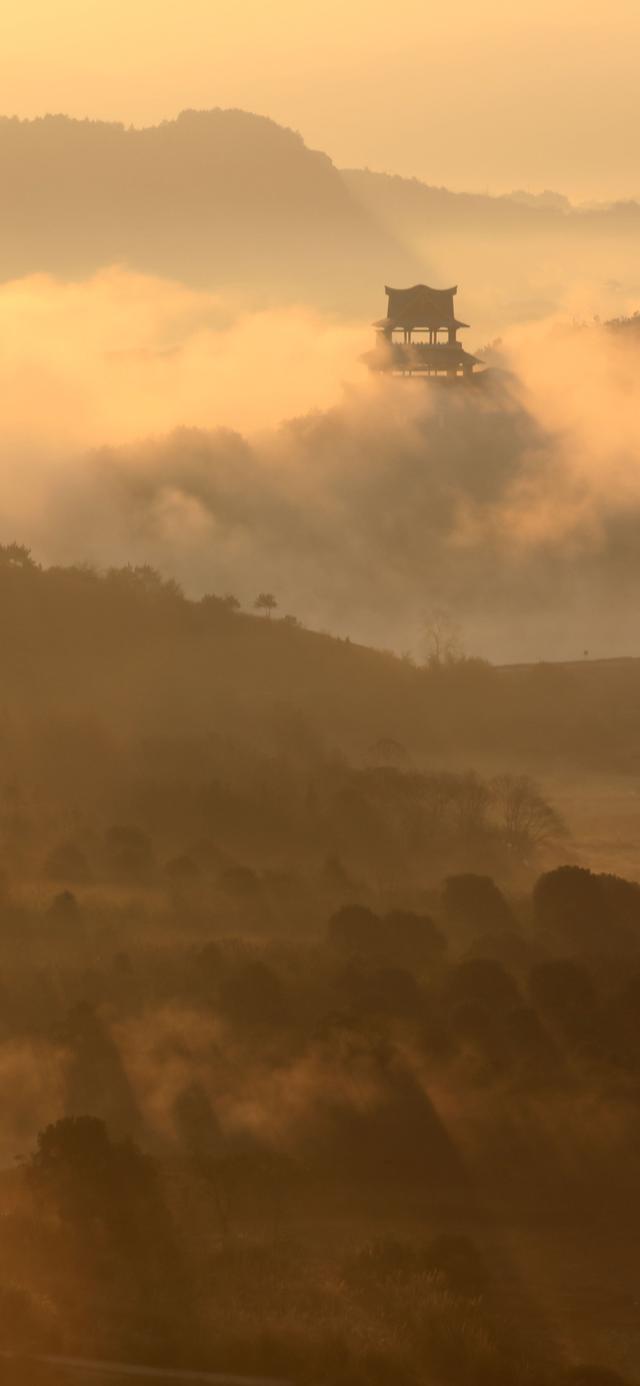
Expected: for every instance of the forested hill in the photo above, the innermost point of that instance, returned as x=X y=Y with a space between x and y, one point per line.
x=218 y=197
x=125 y=654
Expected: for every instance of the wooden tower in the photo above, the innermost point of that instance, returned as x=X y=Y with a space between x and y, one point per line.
x=419 y=336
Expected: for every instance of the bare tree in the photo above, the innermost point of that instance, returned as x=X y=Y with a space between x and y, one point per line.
x=265 y=601
x=441 y=639
x=525 y=818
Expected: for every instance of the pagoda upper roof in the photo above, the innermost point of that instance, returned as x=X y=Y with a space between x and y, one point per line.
x=421 y=306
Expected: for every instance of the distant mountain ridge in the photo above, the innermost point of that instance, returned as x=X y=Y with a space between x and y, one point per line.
x=227 y=199
x=214 y=197
x=390 y=192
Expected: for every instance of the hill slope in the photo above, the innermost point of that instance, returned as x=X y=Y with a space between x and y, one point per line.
x=128 y=652
x=124 y=701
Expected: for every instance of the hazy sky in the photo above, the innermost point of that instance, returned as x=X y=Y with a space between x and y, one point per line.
x=480 y=93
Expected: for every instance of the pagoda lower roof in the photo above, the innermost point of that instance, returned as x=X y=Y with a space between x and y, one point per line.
x=420 y=356
x=389 y=324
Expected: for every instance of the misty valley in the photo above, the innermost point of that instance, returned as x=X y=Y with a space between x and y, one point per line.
x=320 y=1046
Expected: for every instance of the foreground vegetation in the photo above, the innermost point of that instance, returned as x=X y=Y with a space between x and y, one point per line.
x=290 y=1084
x=302 y=1158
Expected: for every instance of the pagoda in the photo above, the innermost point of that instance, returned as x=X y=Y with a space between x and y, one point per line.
x=419 y=336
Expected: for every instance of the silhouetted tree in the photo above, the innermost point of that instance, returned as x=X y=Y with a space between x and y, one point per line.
x=442 y=640
x=413 y=940
x=621 y=900
x=17 y=556
x=483 y=980
x=265 y=601
x=477 y=1029
x=564 y=994
x=532 y=1056
x=108 y=1199
x=569 y=903
x=475 y=904
x=621 y=1024
x=390 y=991
x=355 y=929
x=524 y=816
x=91 y=1179
x=252 y=994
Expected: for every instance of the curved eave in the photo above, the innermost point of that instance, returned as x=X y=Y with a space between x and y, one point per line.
x=426 y=287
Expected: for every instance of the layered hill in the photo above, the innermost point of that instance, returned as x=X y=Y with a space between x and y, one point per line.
x=228 y=199
x=517 y=257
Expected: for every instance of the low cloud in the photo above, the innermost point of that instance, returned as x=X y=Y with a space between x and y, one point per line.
x=145 y=424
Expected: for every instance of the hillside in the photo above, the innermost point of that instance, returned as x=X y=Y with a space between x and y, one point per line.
x=218 y=197
x=146 y=660
x=123 y=700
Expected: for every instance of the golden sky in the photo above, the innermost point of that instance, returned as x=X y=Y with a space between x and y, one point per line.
x=481 y=94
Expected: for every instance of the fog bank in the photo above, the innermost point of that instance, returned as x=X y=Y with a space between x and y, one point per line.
x=144 y=423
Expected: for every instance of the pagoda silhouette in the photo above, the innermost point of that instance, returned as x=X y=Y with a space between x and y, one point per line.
x=419 y=336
